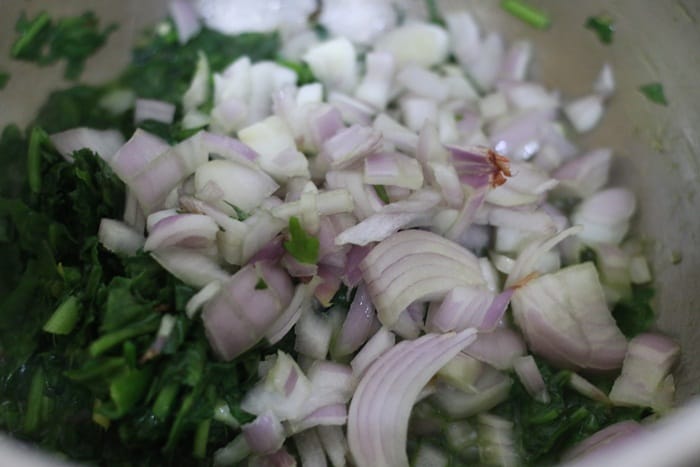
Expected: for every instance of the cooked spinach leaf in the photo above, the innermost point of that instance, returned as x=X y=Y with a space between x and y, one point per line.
x=654 y=92
x=603 y=26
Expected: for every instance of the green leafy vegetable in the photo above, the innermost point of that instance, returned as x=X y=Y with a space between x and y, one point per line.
x=603 y=26
x=302 y=69
x=544 y=431
x=527 y=13
x=635 y=315
x=302 y=246
x=4 y=78
x=654 y=92
x=73 y=39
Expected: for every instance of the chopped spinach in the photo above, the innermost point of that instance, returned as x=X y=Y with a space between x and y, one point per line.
x=4 y=78
x=544 y=431
x=635 y=315
x=527 y=13
x=73 y=39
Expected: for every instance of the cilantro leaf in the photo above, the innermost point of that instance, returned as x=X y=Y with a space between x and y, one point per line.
x=654 y=92
x=302 y=246
x=603 y=26
x=527 y=13
x=381 y=192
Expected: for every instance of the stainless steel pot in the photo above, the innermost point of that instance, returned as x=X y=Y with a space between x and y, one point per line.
x=658 y=147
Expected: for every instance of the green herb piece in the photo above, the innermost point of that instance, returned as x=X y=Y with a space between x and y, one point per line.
x=588 y=254
x=302 y=246
x=4 y=78
x=434 y=14
x=654 y=92
x=73 y=39
x=544 y=431
x=635 y=315
x=302 y=69
x=65 y=317
x=381 y=192
x=603 y=26
x=32 y=417
x=261 y=284
x=527 y=13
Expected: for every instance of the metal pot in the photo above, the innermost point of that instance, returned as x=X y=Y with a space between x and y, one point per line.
x=658 y=147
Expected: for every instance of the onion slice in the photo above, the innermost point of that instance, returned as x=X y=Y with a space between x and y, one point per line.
x=381 y=406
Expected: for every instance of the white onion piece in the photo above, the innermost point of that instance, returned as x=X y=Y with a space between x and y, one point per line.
x=365 y=199
x=199 y=299
x=529 y=374
x=182 y=230
x=430 y=456
x=334 y=63
x=360 y=21
x=609 y=206
x=416 y=111
x=310 y=449
x=119 y=237
x=516 y=61
x=241 y=186
x=300 y=303
x=150 y=109
x=485 y=66
x=462 y=307
x=497 y=444
x=533 y=221
x=233 y=453
x=265 y=434
x=354 y=111
x=492 y=106
x=648 y=361
x=490 y=389
x=198 y=90
x=358 y=324
x=585 y=113
x=461 y=372
x=585 y=387
x=605 y=82
x=565 y=319
x=416 y=43
x=266 y=78
x=423 y=83
x=133 y=214
x=379 y=343
x=247 y=304
x=605 y=439
x=104 y=143
x=375 y=87
x=272 y=139
x=586 y=174
x=313 y=334
x=279 y=458
x=395 y=133
x=464 y=34
x=334 y=443
x=499 y=348
x=378 y=420
x=237 y=16
x=328 y=202
x=282 y=391
x=331 y=384
x=191 y=267
x=350 y=145
x=394 y=169
x=330 y=415
x=415 y=265
x=639 y=272
x=414 y=211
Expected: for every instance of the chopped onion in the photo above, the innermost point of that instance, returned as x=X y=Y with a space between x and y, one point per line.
x=565 y=319
x=586 y=174
x=490 y=389
x=265 y=434
x=150 y=109
x=648 y=361
x=416 y=43
x=605 y=439
x=182 y=230
x=190 y=266
x=393 y=168
x=378 y=420
x=415 y=265
x=360 y=21
x=186 y=20
x=104 y=143
x=588 y=389
x=358 y=325
x=585 y=112
x=199 y=299
x=310 y=449
x=605 y=83
x=248 y=303
x=334 y=443
x=499 y=348
x=529 y=374
x=350 y=145
x=334 y=63
x=119 y=237
x=379 y=343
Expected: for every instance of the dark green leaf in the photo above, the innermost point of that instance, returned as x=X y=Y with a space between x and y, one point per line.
x=302 y=246
x=603 y=26
x=434 y=14
x=635 y=315
x=381 y=192
x=4 y=78
x=304 y=73
x=654 y=92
